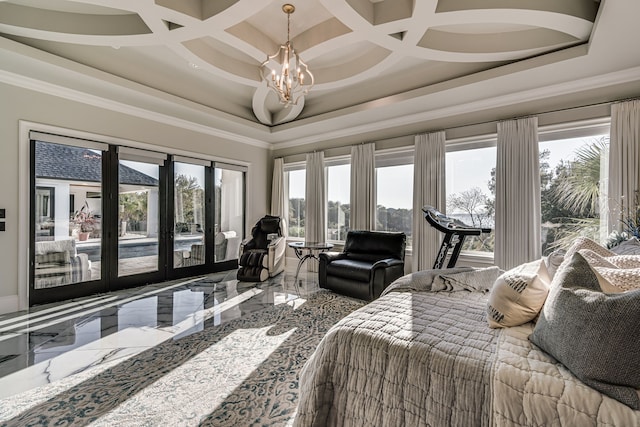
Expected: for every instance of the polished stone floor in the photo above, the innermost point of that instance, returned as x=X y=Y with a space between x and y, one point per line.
x=52 y=342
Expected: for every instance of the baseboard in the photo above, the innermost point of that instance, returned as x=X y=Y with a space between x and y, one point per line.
x=9 y=304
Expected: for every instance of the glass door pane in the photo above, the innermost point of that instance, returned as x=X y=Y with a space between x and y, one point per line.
x=139 y=217
x=229 y=213
x=189 y=214
x=67 y=215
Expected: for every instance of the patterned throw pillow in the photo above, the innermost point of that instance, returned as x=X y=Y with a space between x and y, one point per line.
x=617 y=273
x=586 y=243
x=518 y=295
x=595 y=335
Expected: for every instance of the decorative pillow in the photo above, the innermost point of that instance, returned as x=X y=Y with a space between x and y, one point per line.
x=586 y=243
x=628 y=247
x=615 y=273
x=518 y=295
x=595 y=335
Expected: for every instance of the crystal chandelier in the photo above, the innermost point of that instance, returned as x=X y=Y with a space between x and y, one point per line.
x=285 y=73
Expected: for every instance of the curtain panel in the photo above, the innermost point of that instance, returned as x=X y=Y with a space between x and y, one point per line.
x=624 y=158
x=315 y=225
x=363 y=188
x=279 y=196
x=518 y=212
x=428 y=189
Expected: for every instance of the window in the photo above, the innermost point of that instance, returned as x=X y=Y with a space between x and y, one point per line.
x=229 y=210
x=338 y=199
x=471 y=192
x=570 y=189
x=189 y=214
x=394 y=198
x=296 y=180
x=67 y=214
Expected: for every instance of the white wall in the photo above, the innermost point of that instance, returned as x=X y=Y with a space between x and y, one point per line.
x=27 y=105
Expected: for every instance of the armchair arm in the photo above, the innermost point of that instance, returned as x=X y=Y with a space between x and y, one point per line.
x=277 y=248
x=387 y=262
x=328 y=257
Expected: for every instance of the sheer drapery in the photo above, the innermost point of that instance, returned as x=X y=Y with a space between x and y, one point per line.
x=624 y=160
x=363 y=188
x=518 y=212
x=315 y=226
x=428 y=189
x=279 y=197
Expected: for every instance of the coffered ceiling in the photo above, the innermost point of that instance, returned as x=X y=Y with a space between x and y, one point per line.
x=366 y=55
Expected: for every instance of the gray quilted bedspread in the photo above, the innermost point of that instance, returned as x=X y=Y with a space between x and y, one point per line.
x=420 y=358
x=408 y=359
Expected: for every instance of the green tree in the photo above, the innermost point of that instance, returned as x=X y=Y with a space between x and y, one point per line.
x=189 y=197
x=575 y=191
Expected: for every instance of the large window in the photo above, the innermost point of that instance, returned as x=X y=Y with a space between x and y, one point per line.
x=296 y=180
x=229 y=211
x=189 y=214
x=394 y=199
x=338 y=199
x=161 y=216
x=570 y=183
x=67 y=214
x=471 y=192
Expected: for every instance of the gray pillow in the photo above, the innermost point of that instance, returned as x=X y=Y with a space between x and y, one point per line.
x=595 y=335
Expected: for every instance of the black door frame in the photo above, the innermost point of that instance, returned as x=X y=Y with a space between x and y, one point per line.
x=109 y=238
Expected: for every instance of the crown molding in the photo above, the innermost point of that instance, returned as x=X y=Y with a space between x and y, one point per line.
x=121 y=107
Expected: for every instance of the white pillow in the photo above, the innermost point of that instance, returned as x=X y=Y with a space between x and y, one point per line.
x=617 y=273
x=518 y=295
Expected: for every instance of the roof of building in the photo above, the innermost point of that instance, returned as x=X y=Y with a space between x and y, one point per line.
x=65 y=162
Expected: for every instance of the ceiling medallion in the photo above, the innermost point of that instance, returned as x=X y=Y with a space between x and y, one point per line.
x=285 y=72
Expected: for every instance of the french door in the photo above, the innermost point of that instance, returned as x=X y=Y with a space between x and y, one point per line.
x=107 y=217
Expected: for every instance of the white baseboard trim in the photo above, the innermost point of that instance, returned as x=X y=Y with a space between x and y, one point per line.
x=9 y=304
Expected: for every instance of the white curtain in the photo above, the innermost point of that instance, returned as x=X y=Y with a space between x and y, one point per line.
x=279 y=196
x=624 y=160
x=363 y=187
x=428 y=189
x=315 y=227
x=518 y=213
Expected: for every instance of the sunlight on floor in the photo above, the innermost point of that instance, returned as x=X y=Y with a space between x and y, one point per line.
x=204 y=381
x=98 y=355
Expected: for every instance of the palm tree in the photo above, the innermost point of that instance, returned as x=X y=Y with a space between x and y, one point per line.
x=577 y=190
x=578 y=187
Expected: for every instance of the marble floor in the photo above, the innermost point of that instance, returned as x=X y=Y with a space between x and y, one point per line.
x=52 y=342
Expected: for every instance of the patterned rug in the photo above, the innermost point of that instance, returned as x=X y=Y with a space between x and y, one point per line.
x=242 y=373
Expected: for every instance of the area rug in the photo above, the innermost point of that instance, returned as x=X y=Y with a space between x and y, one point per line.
x=242 y=373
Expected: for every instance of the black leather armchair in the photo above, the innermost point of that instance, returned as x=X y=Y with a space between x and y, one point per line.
x=370 y=261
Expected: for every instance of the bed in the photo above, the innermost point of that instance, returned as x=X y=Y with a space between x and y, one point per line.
x=416 y=357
